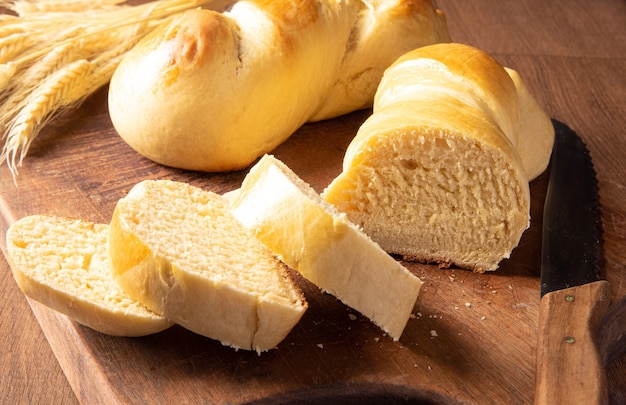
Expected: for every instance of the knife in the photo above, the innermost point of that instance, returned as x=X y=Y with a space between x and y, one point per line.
x=570 y=367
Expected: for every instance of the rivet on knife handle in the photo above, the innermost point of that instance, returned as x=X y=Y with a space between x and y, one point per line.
x=570 y=370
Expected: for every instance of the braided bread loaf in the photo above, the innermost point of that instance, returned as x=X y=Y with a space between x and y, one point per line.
x=440 y=171
x=214 y=91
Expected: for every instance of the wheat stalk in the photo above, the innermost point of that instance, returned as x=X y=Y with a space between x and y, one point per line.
x=72 y=49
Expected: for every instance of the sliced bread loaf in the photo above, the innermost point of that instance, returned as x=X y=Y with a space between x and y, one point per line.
x=63 y=264
x=178 y=249
x=440 y=171
x=308 y=234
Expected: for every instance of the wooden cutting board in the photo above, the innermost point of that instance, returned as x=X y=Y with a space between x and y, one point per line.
x=473 y=337
x=471 y=334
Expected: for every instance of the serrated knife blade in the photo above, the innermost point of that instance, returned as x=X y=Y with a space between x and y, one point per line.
x=573 y=296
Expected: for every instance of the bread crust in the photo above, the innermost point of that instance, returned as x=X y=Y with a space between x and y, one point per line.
x=196 y=289
x=439 y=172
x=213 y=91
x=291 y=219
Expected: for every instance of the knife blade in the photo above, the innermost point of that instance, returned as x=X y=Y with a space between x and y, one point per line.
x=573 y=297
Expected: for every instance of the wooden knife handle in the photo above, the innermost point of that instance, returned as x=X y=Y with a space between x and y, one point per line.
x=570 y=368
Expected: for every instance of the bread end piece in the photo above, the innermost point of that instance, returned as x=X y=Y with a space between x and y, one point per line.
x=308 y=234
x=432 y=193
x=177 y=249
x=62 y=263
x=439 y=172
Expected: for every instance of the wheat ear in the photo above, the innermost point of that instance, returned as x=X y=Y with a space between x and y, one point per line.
x=14 y=44
x=29 y=79
x=7 y=71
x=38 y=108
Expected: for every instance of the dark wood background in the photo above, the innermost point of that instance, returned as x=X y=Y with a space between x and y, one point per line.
x=473 y=339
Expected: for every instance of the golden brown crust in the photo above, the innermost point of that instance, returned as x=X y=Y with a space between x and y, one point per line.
x=177 y=249
x=214 y=91
x=471 y=64
x=440 y=170
x=290 y=19
x=290 y=218
x=196 y=38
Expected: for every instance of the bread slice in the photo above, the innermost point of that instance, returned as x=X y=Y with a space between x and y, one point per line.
x=178 y=249
x=63 y=264
x=288 y=216
x=440 y=171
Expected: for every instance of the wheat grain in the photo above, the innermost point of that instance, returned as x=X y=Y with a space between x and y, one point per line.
x=95 y=41
x=99 y=76
x=14 y=44
x=57 y=57
x=106 y=51
x=46 y=97
x=8 y=29
x=29 y=78
x=7 y=71
x=105 y=63
x=68 y=45
x=39 y=45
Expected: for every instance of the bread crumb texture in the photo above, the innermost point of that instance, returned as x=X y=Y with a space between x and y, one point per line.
x=437 y=197
x=439 y=172
x=63 y=263
x=195 y=230
x=178 y=249
x=310 y=235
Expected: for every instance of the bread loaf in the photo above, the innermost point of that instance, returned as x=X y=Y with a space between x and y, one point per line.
x=178 y=250
x=440 y=171
x=290 y=218
x=63 y=264
x=214 y=91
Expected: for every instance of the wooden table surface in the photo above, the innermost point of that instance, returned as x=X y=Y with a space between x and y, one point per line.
x=572 y=56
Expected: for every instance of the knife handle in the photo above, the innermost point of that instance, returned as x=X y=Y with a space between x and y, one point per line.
x=570 y=368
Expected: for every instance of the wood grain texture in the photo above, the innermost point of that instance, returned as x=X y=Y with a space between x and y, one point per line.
x=30 y=372
x=474 y=337
x=570 y=364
